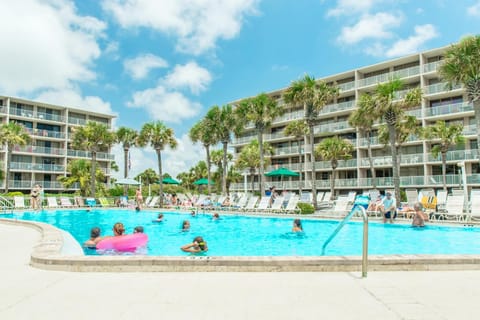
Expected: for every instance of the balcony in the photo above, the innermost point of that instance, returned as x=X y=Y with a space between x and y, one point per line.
x=49 y=117
x=21 y=112
x=289 y=116
x=86 y=154
x=286 y=150
x=332 y=127
x=449 y=109
x=26 y=166
x=77 y=121
x=431 y=67
x=28 y=184
x=469 y=130
x=40 y=150
x=346 y=86
x=439 y=87
x=457 y=155
x=347 y=105
x=46 y=133
x=404 y=73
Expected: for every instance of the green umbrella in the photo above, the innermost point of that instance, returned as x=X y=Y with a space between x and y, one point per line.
x=201 y=182
x=169 y=180
x=282 y=172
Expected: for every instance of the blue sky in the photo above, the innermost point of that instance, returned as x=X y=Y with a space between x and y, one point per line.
x=171 y=60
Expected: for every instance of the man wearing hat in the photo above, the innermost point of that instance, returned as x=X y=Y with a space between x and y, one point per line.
x=388 y=207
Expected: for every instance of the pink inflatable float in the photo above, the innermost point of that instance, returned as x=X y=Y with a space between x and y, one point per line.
x=129 y=242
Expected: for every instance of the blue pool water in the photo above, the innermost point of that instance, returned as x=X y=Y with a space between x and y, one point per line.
x=238 y=235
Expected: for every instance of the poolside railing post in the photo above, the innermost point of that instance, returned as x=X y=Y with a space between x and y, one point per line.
x=365 y=243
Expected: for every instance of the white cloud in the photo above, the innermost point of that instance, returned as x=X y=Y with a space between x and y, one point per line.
x=46 y=44
x=370 y=26
x=140 y=66
x=349 y=7
x=73 y=98
x=413 y=43
x=474 y=10
x=163 y=104
x=197 y=24
x=190 y=75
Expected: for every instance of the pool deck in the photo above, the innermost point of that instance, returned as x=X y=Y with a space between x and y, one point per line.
x=32 y=293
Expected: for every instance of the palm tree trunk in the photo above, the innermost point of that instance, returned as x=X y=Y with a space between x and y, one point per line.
x=261 y=171
x=300 y=166
x=252 y=174
x=396 y=175
x=444 y=170
x=125 y=169
x=332 y=184
x=207 y=150
x=7 y=173
x=312 y=160
x=370 y=160
x=93 y=169
x=159 y=158
x=224 y=175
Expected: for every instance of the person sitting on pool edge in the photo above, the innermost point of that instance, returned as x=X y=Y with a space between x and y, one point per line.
x=94 y=238
x=198 y=245
x=419 y=217
x=297 y=226
x=388 y=208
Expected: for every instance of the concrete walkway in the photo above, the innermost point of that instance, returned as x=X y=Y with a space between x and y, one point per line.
x=29 y=293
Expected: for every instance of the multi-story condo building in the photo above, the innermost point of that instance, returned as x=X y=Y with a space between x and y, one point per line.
x=418 y=168
x=45 y=158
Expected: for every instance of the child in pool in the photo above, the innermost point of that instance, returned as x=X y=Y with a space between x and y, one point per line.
x=198 y=245
x=94 y=238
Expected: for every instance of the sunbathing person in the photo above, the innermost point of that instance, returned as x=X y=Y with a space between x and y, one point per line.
x=198 y=245
x=419 y=217
x=94 y=238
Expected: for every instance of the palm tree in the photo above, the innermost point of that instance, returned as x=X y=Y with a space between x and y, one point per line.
x=203 y=131
x=128 y=138
x=392 y=110
x=313 y=95
x=334 y=149
x=149 y=176
x=222 y=122
x=12 y=134
x=79 y=172
x=462 y=66
x=158 y=136
x=363 y=119
x=449 y=136
x=299 y=130
x=261 y=111
x=93 y=137
x=249 y=158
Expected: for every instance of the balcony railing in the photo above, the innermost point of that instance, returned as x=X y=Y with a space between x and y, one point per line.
x=46 y=133
x=432 y=66
x=449 y=109
x=36 y=166
x=28 y=184
x=49 y=117
x=86 y=154
x=40 y=150
x=439 y=87
x=456 y=155
x=346 y=86
x=338 y=107
x=408 y=72
x=332 y=127
x=77 y=121
x=289 y=116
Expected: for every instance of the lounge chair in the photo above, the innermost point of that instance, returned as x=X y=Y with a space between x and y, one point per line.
x=455 y=207
x=292 y=204
x=341 y=206
x=351 y=196
x=277 y=205
x=65 y=202
x=104 y=202
x=153 y=202
x=252 y=202
x=475 y=204
x=306 y=197
x=19 y=202
x=91 y=202
x=264 y=203
x=52 y=202
x=320 y=196
x=441 y=200
x=412 y=197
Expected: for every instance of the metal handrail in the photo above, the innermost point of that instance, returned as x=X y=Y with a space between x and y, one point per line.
x=5 y=204
x=365 y=236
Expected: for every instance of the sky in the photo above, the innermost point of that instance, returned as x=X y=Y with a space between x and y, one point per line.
x=171 y=60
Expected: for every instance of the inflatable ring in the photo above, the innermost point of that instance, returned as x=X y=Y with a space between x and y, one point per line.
x=128 y=242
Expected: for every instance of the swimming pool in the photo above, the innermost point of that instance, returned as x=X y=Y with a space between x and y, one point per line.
x=239 y=235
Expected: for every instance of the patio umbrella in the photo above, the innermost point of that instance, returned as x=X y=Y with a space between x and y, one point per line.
x=282 y=172
x=201 y=182
x=169 y=180
x=127 y=181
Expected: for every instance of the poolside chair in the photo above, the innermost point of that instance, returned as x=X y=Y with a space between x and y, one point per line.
x=320 y=196
x=441 y=200
x=277 y=205
x=90 y=202
x=341 y=206
x=412 y=196
x=149 y=198
x=475 y=204
x=326 y=202
x=455 y=207
x=52 y=202
x=351 y=196
x=65 y=202
x=241 y=202
x=104 y=202
x=263 y=204
x=153 y=202
x=19 y=202
x=306 y=197
x=292 y=204
x=251 y=204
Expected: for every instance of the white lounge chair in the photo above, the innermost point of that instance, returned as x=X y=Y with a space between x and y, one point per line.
x=351 y=197
x=475 y=204
x=264 y=203
x=455 y=207
x=277 y=205
x=341 y=206
x=292 y=204
x=52 y=202
x=65 y=202
x=412 y=196
x=320 y=196
x=252 y=202
x=19 y=202
x=153 y=202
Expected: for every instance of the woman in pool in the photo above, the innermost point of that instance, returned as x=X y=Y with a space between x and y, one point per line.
x=198 y=245
x=215 y=216
x=118 y=229
x=94 y=238
x=297 y=226
x=186 y=225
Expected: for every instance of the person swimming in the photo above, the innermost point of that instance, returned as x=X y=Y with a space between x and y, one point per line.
x=215 y=216
x=159 y=218
x=118 y=229
x=297 y=226
x=138 y=229
x=186 y=225
x=94 y=238
x=198 y=245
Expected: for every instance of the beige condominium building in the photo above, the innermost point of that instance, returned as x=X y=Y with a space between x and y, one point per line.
x=418 y=168
x=46 y=157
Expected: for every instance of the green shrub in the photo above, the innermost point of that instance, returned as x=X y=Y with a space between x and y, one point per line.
x=306 y=208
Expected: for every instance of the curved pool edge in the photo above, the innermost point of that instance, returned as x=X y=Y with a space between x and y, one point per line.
x=47 y=254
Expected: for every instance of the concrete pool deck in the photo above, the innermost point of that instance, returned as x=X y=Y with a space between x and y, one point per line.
x=31 y=293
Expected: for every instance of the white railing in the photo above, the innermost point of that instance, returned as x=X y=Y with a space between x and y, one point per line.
x=86 y=154
x=439 y=87
x=36 y=166
x=456 y=155
x=332 y=127
x=40 y=150
x=449 y=109
x=432 y=66
x=46 y=133
x=408 y=72
x=346 y=86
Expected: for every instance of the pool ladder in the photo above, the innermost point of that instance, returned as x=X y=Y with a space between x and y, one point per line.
x=365 y=236
x=5 y=204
